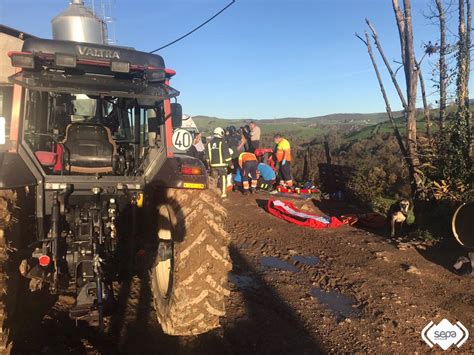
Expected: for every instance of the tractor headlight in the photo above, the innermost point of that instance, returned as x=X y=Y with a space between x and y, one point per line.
x=3 y=133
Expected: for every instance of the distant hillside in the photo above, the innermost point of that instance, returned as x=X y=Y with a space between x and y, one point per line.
x=303 y=129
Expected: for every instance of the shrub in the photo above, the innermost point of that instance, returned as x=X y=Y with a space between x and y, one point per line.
x=368 y=186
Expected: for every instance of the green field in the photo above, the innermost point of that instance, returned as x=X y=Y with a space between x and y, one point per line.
x=302 y=129
x=350 y=127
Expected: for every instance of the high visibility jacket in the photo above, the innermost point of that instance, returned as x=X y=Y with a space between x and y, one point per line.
x=283 y=151
x=218 y=153
x=246 y=156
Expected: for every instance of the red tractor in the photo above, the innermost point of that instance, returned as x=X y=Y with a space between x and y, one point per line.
x=89 y=179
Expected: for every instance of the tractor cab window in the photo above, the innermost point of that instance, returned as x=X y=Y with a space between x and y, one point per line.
x=84 y=108
x=81 y=133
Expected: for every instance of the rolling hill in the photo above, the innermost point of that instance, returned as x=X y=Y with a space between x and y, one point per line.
x=304 y=129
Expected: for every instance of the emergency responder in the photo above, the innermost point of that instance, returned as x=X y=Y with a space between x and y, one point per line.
x=283 y=157
x=248 y=167
x=219 y=157
x=232 y=139
x=266 y=177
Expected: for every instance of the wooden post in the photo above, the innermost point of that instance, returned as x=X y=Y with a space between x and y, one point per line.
x=328 y=152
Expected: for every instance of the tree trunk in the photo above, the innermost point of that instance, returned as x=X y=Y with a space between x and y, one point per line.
x=468 y=73
x=411 y=78
x=464 y=57
x=462 y=61
x=443 y=68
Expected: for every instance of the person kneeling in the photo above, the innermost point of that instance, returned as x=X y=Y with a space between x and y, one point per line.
x=267 y=177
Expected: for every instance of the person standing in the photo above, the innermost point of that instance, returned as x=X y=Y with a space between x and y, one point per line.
x=233 y=142
x=243 y=140
x=197 y=149
x=254 y=137
x=219 y=158
x=248 y=168
x=283 y=157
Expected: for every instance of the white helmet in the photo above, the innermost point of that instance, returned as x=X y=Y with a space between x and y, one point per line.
x=219 y=132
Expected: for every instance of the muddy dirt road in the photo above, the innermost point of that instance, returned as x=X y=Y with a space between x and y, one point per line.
x=294 y=290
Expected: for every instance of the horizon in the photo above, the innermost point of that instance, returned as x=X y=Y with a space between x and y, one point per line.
x=256 y=61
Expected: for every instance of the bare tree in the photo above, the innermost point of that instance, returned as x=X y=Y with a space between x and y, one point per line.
x=388 y=107
x=411 y=69
x=387 y=64
x=443 y=67
x=462 y=94
x=468 y=71
x=464 y=59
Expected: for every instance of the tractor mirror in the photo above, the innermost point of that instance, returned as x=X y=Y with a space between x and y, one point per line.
x=176 y=115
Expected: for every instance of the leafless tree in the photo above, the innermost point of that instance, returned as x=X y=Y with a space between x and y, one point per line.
x=468 y=71
x=411 y=70
x=464 y=59
x=388 y=107
x=387 y=64
x=443 y=67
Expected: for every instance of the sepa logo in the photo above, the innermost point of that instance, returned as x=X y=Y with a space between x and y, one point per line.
x=445 y=334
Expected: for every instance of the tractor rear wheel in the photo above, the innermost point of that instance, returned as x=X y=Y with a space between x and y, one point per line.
x=190 y=271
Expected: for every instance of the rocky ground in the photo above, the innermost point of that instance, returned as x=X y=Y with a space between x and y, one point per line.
x=294 y=290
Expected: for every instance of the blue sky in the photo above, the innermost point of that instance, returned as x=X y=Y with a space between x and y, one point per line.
x=260 y=58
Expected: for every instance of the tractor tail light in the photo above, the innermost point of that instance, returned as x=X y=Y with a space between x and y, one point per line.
x=44 y=260
x=191 y=170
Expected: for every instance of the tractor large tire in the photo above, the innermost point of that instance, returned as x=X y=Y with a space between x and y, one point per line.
x=190 y=282
x=7 y=203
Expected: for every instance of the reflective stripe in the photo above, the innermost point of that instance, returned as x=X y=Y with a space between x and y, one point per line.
x=220 y=153
x=224 y=184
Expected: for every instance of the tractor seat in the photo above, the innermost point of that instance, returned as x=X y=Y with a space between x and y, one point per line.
x=89 y=149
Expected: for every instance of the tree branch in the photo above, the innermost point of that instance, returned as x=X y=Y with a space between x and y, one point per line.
x=387 y=64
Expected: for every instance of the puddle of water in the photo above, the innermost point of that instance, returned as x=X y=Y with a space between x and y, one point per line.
x=306 y=260
x=276 y=263
x=243 y=282
x=339 y=304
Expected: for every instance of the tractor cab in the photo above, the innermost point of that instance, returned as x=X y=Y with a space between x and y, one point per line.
x=91 y=109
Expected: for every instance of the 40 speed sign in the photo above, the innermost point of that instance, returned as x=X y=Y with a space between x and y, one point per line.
x=182 y=139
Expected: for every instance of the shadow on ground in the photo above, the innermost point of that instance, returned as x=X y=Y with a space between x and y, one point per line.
x=269 y=325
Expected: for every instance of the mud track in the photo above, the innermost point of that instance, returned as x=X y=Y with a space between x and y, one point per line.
x=381 y=295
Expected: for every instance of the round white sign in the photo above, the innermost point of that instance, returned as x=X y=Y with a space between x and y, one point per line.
x=182 y=139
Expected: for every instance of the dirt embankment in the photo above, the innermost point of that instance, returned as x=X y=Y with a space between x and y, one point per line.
x=294 y=290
